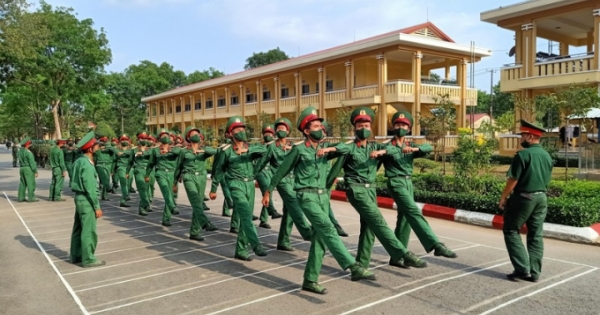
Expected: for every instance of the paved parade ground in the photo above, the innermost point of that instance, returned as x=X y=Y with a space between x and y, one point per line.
x=153 y=269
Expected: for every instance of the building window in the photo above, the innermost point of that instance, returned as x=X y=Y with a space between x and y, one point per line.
x=209 y=104
x=178 y=109
x=188 y=107
x=317 y=87
x=305 y=89
x=162 y=110
x=250 y=98
x=154 y=110
x=221 y=102
x=328 y=85
x=235 y=100
x=198 y=105
x=170 y=110
x=285 y=92
x=266 y=95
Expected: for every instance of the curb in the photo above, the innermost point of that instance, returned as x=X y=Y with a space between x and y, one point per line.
x=585 y=235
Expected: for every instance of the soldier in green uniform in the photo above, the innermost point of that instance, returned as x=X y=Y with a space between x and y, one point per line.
x=27 y=172
x=192 y=171
x=138 y=164
x=151 y=144
x=87 y=207
x=104 y=159
x=164 y=160
x=398 y=170
x=227 y=202
x=114 y=143
x=292 y=214
x=309 y=164
x=15 y=150
x=69 y=154
x=263 y=177
x=335 y=222
x=59 y=170
x=236 y=166
x=124 y=157
x=528 y=178
x=357 y=159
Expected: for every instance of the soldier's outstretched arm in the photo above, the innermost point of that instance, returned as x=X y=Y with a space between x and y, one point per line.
x=288 y=164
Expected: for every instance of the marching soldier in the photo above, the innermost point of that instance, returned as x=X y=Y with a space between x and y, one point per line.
x=27 y=172
x=309 y=163
x=528 y=178
x=151 y=144
x=87 y=207
x=236 y=166
x=176 y=144
x=164 y=160
x=69 y=154
x=15 y=151
x=114 y=143
x=59 y=171
x=358 y=160
x=192 y=171
x=335 y=222
x=124 y=157
x=398 y=170
x=227 y=202
x=104 y=159
x=292 y=214
x=263 y=177
x=138 y=164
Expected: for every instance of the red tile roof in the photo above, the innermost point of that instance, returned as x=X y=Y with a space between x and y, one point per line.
x=476 y=117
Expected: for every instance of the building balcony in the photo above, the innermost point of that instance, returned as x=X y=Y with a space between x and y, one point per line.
x=287 y=105
x=268 y=106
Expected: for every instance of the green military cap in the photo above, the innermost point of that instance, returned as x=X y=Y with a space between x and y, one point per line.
x=124 y=137
x=234 y=122
x=325 y=125
x=142 y=135
x=362 y=114
x=527 y=127
x=283 y=121
x=268 y=128
x=25 y=142
x=308 y=114
x=87 y=141
x=189 y=129
x=402 y=117
x=162 y=131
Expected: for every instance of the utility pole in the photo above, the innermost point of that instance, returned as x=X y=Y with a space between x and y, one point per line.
x=491 y=71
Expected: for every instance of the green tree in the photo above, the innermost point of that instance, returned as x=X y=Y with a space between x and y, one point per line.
x=103 y=129
x=442 y=121
x=265 y=58
x=199 y=76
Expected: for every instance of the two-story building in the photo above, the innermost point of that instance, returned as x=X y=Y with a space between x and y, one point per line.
x=388 y=72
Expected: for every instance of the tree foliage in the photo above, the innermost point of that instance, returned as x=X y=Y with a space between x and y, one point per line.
x=441 y=122
x=265 y=58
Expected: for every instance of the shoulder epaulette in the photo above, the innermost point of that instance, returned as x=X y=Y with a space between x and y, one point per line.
x=227 y=146
x=222 y=146
x=349 y=141
x=299 y=142
x=387 y=141
x=271 y=142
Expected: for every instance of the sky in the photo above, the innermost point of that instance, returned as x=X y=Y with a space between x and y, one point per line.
x=198 y=34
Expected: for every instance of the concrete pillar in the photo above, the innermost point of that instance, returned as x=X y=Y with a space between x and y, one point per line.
x=416 y=108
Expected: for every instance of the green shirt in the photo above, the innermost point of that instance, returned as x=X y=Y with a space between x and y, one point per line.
x=358 y=165
x=310 y=171
x=69 y=153
x=85 y=180
x=401 y=164
x=276 y=154
x=168 y=161
x=193 y=163
x=57 y=159
x=140 y=159
x=26 y=159
x=231 y=166
x=532 y=168
x=124 y=158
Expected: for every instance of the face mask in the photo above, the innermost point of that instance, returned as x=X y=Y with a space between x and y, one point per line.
x=268 y=138
x=525 y=144
x=165 y=140
x=70 y=144
x=142 y=143
x=400 y=132
x=195 y=139
x=316 y=135
x=124 y=143
x=363 y=134
x=113 y=143
x=281 y=134
x=240 y=136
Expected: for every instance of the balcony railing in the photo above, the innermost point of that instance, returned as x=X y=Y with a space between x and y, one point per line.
x=400 y=87
x=251 y=108
x=236 y=109
x=560 y=66
x=221 y=110
x=268 y=106
x=436 y=90
x=287 y=104
x=365 y=91
x=310 y=99
x=335 y=96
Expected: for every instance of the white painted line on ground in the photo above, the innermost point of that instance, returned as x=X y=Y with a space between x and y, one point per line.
x=106 y=222
x=47 y=214
x=37 y=209
x=536 y=292
x=419 y=288
x=62 y=279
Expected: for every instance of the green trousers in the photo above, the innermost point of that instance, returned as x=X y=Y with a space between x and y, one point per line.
x=142 y=186
x=165 y=183
x=124 y=181
x=83 y=238
x=26 y=183
x=151 y=182
x=409 y=214
x=332 y=216
x=195 y=185
x=130 y=181
x=104 y=176
x=56 y=185
x=15 y=164
x=324 y=235
x=115 y=178
x=292 y=214
x=527 y=209
x=264 y=179
x=372 y=224
x=243 y=194
x=227 y=202
x=69 y=166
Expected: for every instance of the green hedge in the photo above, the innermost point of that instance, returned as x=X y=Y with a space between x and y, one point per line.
x=574 y=203
x=506 y=160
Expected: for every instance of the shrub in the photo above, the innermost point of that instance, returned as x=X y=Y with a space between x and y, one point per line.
x=424 y=164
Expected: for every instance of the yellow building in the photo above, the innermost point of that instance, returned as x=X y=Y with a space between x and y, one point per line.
x=390 y=72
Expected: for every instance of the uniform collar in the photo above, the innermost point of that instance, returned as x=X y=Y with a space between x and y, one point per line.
x=358 y=144
x=244 y=145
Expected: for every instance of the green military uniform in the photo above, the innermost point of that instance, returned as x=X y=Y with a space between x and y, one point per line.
x=292 y=214
x=15 y=151
x=227 y=201
x=178 y=144
x=27 y=172
x=151 y=141
x=335 y=222
x=57 y=164
x=164 y=162
x=360 y=171
x=528 y=204
x=238 y=170
x=192 y=170
x=124 y=160
x=69 y=154
x=309 y=183
x=263 y=178
x=85 y=186
x=137 y=167
x=398 y=170
x=104 y=160
x=113 y=175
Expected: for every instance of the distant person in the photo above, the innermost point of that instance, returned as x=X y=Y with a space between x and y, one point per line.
x=28 y=172
x=15 y=150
